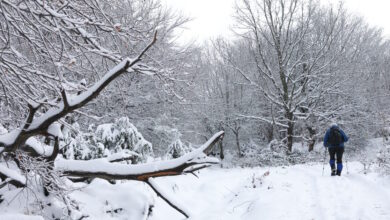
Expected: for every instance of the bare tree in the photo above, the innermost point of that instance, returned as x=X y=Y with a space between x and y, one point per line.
x=296 y=46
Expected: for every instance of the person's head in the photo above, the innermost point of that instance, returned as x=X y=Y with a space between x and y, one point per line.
x=333 y=124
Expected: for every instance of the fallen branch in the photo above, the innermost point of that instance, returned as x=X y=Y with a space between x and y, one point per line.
x=101 y=168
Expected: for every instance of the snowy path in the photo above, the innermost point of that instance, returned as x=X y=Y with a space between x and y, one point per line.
x=297 y=192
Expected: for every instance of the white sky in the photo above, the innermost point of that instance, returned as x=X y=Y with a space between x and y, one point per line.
x=213 y=17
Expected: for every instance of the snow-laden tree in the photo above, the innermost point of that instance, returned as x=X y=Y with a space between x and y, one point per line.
x=298 y=48
x=48 y=46
x=145 y=100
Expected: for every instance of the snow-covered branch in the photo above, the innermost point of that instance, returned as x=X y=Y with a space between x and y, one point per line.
x=40 y=125
x=11 y=176
x=102 y=168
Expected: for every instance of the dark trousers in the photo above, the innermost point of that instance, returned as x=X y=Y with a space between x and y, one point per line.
x=336 y=153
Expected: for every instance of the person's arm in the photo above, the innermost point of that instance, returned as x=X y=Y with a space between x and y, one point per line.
x=345 y=137
x=326 y=137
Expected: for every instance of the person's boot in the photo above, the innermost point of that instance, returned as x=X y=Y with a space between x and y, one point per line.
x=339 y=169
x=332 y=167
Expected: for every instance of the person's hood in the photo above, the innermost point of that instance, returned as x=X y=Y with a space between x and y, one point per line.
x=334 y=125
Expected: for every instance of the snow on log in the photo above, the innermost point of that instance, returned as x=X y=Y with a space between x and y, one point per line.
x=102 y=168
x=9 y=138
x=11 y=176
x=38 y=148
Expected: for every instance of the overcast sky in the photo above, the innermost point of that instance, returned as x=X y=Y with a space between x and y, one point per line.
x=213 y=17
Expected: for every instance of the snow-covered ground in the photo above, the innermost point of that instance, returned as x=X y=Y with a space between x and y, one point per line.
x=295 y=192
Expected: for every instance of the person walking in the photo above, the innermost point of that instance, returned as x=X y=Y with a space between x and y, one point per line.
x=334 y=140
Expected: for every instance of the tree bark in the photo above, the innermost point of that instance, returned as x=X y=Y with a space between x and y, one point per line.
x=290 y=131
x=221 y=154
x=236 y=134
x=312 y=140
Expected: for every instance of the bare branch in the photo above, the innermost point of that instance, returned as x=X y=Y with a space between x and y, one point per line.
x=64 y=99
x=160 y=194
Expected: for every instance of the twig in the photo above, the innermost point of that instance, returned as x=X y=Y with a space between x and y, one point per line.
x=165 y=199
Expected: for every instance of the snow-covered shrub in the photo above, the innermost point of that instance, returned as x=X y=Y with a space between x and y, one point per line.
x=165 y=135
x=254 y=155
x=367 y=161
x=383 y=159
x=272 y=155
x=275 y=154
x=277 y=147
x=123 y=135
x=171 y=137
x=81 y=146
x=385 y=133
x=120 y=137
x=177 y=149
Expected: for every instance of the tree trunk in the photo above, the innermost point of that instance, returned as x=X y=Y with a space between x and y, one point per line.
x=236 y=134
x=290 y=131
x=221 y=155
x=311 y=145
x=312 y=140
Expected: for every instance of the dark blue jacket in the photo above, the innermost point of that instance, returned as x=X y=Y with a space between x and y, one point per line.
x=326 y=138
